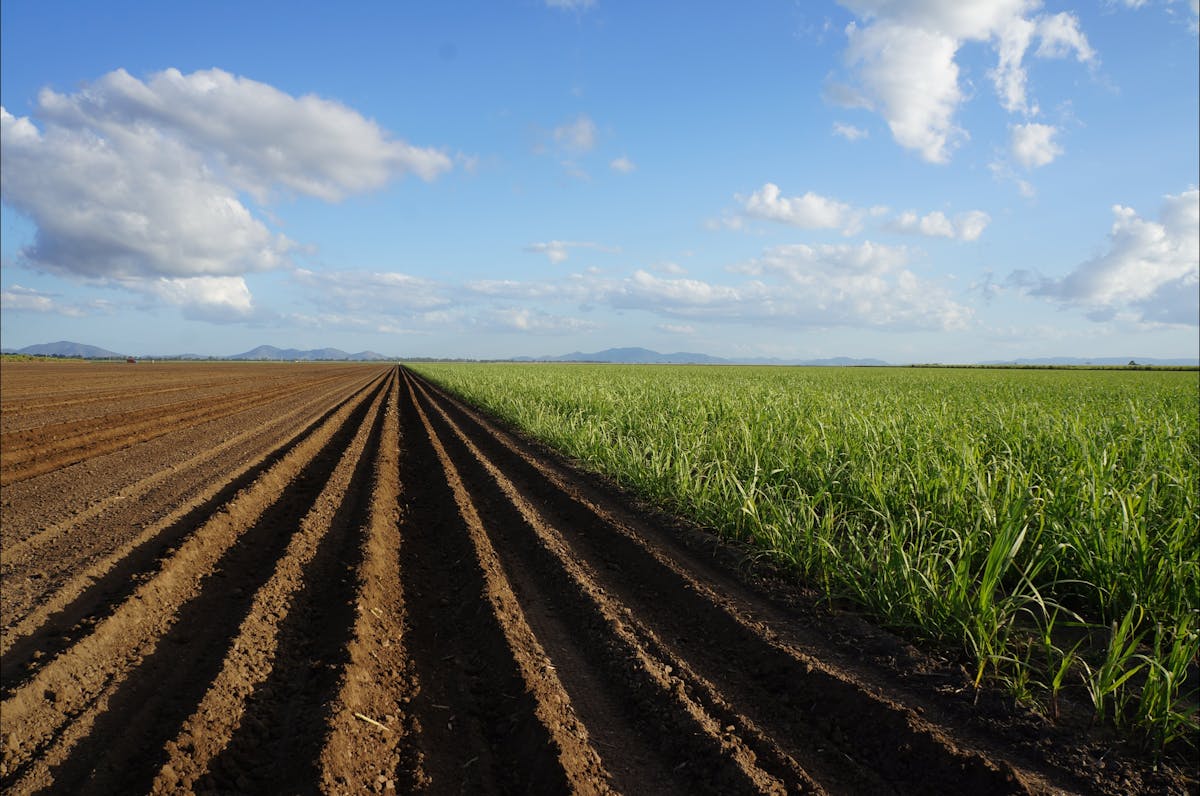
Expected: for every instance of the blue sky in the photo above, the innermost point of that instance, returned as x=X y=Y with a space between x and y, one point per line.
x=912 y=180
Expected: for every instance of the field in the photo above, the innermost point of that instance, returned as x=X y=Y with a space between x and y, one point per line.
x=340 y=578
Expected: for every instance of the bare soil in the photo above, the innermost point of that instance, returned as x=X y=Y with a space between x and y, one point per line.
x=337 y=579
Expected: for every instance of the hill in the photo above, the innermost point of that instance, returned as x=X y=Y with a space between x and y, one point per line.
x=270 y=352
x=66 y=348
x=644 y=356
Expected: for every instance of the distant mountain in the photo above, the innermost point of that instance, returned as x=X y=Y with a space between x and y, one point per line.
x=644 y=356
x=638 y=356
x=65 y=348
x=1105 y=361
x=270 y=352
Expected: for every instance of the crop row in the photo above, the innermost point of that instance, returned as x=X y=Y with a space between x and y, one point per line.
x=1047 y=522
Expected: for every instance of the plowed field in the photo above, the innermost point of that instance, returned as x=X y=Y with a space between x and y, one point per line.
x=335 y=578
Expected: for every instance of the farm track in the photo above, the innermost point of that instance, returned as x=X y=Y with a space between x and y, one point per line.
x=382 y=590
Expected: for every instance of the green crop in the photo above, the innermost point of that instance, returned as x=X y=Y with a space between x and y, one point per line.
x=1047 y=522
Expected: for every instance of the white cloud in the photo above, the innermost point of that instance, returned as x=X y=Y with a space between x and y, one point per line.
x=789 y=287
x=913 y=78
x=557 y=251
x=858 y=285
x=644 y=286
x=905 y=57
x=623 y=165
x=813 y=211
x=136 y=183
x=849 y=131
x=1033 y=144
x=1002 y=171
x=810 y=211
x=23 y=299
x=1150 y=273
x=865 y=285
x=262 y=139
x=1009 y=77
x=523 y=319
x=365 y=291
x=217 y=299
x=131 y=203
x=571 y=5
x=668 y=267
x=577 y=136
x=1060 y=37
x=965 y=226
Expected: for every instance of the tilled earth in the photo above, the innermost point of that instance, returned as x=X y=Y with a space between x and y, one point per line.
x=336 y=578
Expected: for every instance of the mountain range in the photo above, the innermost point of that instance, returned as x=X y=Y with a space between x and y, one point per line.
x=629 y=356
x=321 y=354
x=66 y=348
x=644 y=356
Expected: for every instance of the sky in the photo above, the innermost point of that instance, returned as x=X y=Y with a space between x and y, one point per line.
x=908 y=180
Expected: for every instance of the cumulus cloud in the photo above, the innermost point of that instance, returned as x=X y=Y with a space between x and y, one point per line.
x=132 y=203
x=557 y=251
x=787 y=287
x=798 y=286
x=795 y=286
x=864 y=284
x=905 y=58
x=1150 y=273
x=1033 y=145
x=623 y=165
x=139 y=183
x=809 y=211
x=23 y=299
x=577 y=136
x=359 y=290
x=912 y=77
x=668 y=267
x=217 y=299
x=849 y=131
x=964 y=226
x=813 y=211
x=524 y=319
x=1060 y=37
x=261 y=138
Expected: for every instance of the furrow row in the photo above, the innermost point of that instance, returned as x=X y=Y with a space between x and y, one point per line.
x=32 y=452
x=182 y=484
x=181 y=614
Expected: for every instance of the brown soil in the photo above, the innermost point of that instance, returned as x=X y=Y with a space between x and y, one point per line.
x=338 y=579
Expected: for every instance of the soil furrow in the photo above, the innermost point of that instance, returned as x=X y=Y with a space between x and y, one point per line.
x=654 y=709
x=266 y=703
x=26 y=539
x=53 y=570
x=486 y=691
x=377 y=683
x=96 y=590
x=31 y=453
x=46 y=406
x=185 y=599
